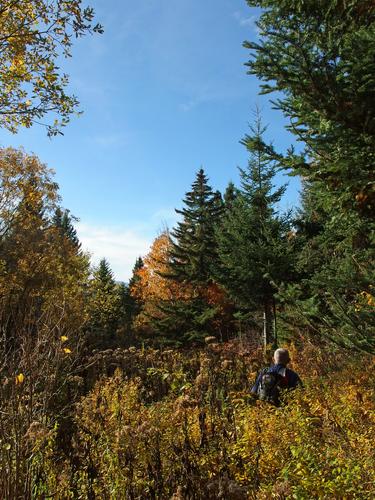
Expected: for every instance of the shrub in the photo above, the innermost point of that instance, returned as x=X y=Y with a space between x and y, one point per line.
x=204 y=437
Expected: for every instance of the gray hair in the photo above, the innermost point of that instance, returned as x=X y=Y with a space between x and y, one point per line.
x=281 y=357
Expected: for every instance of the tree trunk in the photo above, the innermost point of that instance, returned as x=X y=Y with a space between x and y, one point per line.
x=267 y=324
x=275 y=339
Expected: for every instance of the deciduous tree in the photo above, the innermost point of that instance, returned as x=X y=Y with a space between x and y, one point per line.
x=152 y=286
x=40 y=269
x=34 y=36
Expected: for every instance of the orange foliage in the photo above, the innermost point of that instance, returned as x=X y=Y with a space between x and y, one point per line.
x=217 y=296
x=153 y=286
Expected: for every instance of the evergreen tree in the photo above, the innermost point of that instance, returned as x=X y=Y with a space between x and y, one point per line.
x=131 y=304
x=320 y=57
x=252 y=239
x=135 y=277
x=104 y=306
x=335 y=295
x=184 y=322
x=193 y=251
x=125 y=315
x=103 y=274
x=230 y=195
x=64 y=222
x=192 y=261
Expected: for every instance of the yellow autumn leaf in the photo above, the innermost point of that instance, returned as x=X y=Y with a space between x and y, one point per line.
x=20 y=378
x=63 y=338
x=67 y=350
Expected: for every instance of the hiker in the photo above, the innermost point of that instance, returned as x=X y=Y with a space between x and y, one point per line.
x=271 y=381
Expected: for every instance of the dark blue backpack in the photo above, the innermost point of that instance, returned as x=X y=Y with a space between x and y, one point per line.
x=269 y=386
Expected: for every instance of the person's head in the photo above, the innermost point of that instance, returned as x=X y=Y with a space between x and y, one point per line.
x=281 y=357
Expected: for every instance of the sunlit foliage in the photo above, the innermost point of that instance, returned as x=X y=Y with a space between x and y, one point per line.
x=34 y=35
x=206 y=439
x=40 y=267
x=152 y=285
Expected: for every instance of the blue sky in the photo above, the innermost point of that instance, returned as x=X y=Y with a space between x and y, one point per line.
x=164 y=91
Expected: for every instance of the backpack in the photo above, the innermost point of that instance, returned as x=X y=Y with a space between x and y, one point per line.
x=269 y=386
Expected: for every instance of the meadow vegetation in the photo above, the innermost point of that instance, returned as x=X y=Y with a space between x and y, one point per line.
x=181 y=424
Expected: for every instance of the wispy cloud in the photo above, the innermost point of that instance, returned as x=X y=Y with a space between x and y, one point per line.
x=245 y=21
x=108 y=139
x=119 y=246
x=207 y=94
x=122 y=245
x=194 y=102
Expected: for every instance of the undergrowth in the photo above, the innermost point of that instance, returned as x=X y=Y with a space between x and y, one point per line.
x=185 y=427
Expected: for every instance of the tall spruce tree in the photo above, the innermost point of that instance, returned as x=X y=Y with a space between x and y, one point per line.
x=252 y=242
x=193 y=251
x=64 y=222
x=319 y=56
x=104 y=306
x=131 y=305
x=192 y=261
